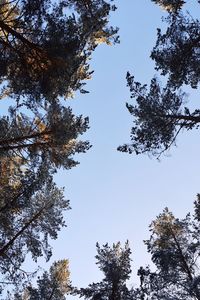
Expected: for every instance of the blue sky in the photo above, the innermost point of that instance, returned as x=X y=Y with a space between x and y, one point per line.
x=115 y=196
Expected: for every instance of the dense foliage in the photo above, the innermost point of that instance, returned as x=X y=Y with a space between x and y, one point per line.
x=54 y=285
x=160 y=113
x=45 y=50
x=114 y=262
x=174 y=246
x=45 y=47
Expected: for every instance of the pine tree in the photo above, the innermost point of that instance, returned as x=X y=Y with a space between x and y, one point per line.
x=52 y=285
x=27 y=225
x=45 y=46
x=174 y=246
x=45 y=50
x=160 y=113
x=52 y=135
x=114 y=262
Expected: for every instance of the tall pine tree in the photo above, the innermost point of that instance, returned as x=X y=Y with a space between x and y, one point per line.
x=159 y=112
x=114 y=262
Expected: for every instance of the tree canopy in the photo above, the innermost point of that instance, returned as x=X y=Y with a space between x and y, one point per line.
x=54 y=285
x=160 y=112
x=114 y=262
x=27 y=225
x=45 y=48
x=174 y=247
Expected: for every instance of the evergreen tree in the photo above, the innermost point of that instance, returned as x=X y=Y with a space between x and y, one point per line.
x=52 y=136
x=160 y=113
x=26 y=226
x=174 y=246
x=45 y=45
x=114 y=262
x=45 y=50
x=52 y=285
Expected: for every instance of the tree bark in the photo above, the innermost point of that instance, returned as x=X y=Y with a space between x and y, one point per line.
x=11 y=242
x=24 y=137
x=19 y=36
x=195 y=119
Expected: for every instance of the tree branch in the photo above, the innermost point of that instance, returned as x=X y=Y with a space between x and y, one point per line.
x=10 y=243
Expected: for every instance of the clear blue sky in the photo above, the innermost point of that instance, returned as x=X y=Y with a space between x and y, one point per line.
x=114 y=196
